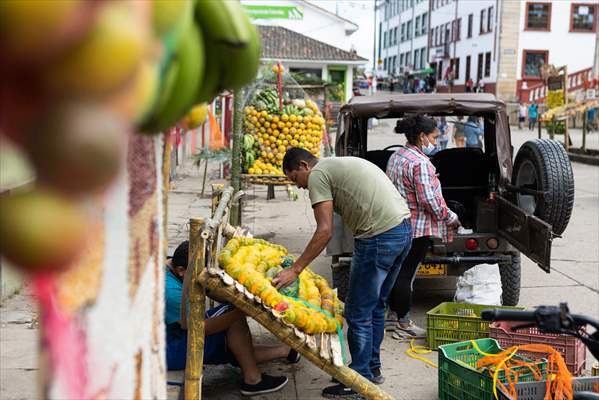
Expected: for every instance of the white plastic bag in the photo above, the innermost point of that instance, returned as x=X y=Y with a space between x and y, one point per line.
x=480 y=285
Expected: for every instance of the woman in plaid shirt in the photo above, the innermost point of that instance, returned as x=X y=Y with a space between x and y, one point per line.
x=414 y=176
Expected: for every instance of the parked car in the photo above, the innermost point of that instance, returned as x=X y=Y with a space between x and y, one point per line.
x=511 y=205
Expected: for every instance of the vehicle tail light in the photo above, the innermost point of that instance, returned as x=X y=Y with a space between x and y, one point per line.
x=471 y=244
x=492 y=243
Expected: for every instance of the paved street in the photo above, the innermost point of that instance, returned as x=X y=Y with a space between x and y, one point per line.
x=574 y=278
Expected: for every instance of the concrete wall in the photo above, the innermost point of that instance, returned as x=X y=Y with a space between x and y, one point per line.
x=508 y=50
x=115 y=291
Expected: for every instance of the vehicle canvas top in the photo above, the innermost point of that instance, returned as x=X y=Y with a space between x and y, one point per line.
x=396 y=105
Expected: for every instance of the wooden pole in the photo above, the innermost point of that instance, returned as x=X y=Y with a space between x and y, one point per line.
x=236 y=154
x=286 y=334
x=197 y=308
x=566 y=133
x=584 y=130
x=539 y=122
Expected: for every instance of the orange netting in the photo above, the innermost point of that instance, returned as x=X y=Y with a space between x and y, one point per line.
x=559 y=379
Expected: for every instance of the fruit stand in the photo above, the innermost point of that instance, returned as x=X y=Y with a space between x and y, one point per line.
x=301 y=324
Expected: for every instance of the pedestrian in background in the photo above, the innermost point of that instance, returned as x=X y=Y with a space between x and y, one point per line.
x=469 y=85
x=458 y=132
x=532 y=116
x=521 y=114
x=474 y=131
x=443 y=138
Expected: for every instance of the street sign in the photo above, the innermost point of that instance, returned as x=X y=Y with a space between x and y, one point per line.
x=591 y=94
x=274 y=12
x=555 y=82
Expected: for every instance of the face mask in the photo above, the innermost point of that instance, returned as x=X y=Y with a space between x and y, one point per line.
x=429 y=149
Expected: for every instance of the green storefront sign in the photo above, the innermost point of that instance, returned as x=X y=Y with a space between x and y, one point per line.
x=274 y=12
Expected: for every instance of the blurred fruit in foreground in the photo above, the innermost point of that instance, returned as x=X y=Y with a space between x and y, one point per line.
x=76 y=147
x=106 y=57
x=197 y=116
x=35 y=30
x=166 y=14
x=40 y=231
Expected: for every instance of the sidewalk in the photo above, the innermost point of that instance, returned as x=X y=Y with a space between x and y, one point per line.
x=291 y=224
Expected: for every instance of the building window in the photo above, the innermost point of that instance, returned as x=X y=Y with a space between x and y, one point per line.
x=490 y=19
x=470 y=22
x=424 y=24
x=395 y=36
x=417 y=26
x=538 y=16
x=394 y=63
x=454 y=66
x=409 y=58
x=583 y=18
x=456 y=28
x=483 y=21
x=385 y=64
x=479 y=67
x=409 y=30
x=401 y=60
x=417 y=59
x=532 y=60
x=440 y=70
x=487 y=64
x=385 y=40
x=403 y=32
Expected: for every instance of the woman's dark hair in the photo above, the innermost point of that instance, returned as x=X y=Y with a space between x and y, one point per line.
x=181 y=255
x=413 y=126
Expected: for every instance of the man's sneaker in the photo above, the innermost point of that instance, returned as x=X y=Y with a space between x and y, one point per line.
x=293 y=357
x=377 y=377
x=391 y=321
x=268 y=384
x=411 y=330
x=340 y=392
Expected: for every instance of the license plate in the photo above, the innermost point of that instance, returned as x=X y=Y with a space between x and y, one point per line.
x=432 y=269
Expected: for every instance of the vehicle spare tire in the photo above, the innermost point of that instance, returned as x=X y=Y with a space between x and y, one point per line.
x=543 y=164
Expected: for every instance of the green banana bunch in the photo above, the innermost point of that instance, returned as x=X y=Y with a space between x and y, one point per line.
x=233 y=44
x=248 y=160
x=248 y=142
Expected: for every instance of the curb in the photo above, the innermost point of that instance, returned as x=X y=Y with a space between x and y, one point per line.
x=583 y=158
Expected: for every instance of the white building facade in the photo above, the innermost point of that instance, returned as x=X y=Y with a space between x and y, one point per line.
x=463 y=44
x=487 y=40
x=402 y=39
x=305 y=18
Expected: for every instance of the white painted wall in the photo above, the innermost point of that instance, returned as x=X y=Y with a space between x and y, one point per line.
x=317 y=23
x=574 y=49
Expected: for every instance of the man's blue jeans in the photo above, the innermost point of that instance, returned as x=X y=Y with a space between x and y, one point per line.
x=375 y=265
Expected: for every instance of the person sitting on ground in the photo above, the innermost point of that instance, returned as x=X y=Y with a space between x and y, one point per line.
x=227 y=336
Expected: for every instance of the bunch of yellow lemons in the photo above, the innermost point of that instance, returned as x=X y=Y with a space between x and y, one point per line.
x=255 y=262
x=277 y=133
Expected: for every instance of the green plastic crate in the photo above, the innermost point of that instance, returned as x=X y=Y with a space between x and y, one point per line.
x=460 y=380
x=455 y=322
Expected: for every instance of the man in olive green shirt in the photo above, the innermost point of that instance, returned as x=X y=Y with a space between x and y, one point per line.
x=379 y=218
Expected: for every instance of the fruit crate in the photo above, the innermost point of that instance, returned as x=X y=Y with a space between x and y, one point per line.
x=460 y=380
x=571 y=348
x=536 y=390
x=454 y=322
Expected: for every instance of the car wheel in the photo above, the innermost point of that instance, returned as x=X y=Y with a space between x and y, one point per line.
x=543 y=164
x=341 y=278
x=510 y=281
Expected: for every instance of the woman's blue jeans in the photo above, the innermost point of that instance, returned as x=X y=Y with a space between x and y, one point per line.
x=375 y=265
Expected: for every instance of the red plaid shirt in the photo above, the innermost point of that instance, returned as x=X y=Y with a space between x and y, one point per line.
x=415 y=177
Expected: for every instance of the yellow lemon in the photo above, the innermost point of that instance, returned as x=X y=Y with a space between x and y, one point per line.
x=285 y=117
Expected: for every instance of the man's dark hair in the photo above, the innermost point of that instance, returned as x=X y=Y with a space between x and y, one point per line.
x=181 y=255
x=294 y=155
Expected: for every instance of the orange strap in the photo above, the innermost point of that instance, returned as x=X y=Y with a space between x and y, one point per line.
x=216 y=136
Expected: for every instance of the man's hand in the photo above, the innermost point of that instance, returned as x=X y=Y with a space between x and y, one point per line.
x=285 y=278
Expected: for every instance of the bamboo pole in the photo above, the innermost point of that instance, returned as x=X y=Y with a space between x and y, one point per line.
x=197 y=308
x=286 y=334
x=220 y=210
x=236 y=154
